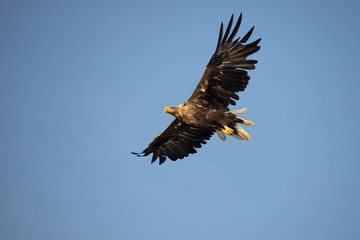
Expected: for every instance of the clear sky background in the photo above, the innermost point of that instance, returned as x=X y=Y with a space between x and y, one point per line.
x=84 y=83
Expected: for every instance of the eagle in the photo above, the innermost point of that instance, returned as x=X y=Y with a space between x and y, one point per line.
x=206 y=111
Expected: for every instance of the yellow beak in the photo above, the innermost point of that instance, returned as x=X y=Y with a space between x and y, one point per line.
x=166 y=109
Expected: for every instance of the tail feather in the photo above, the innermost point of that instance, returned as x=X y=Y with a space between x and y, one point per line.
x=246 y=121
x=237 y=136
x=221 y=135
x=242 y=133
x=238 y=111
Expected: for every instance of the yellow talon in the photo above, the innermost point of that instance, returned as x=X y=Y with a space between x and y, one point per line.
x=228 y=131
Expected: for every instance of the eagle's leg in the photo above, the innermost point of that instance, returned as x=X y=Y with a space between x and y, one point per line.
x=246 y=121
x=227 y=130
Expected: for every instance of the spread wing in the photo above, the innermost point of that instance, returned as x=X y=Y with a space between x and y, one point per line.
x=224 y=75
x=177 y=141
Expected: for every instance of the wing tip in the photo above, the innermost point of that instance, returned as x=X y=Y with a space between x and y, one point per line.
x=138 y=154
x=220 y=36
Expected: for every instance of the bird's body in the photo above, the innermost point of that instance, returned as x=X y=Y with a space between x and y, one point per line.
x=206 y=111
x=203 y=116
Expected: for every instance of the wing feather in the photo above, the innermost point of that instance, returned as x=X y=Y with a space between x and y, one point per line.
x=236 y=28
x=247 y=35
x=224 y=75
x=177 y=141
x=220 y=35
x=228 y=29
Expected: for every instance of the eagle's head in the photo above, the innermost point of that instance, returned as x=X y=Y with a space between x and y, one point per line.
x=173 y=110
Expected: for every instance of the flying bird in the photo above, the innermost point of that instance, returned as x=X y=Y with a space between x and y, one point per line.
x=206 y=111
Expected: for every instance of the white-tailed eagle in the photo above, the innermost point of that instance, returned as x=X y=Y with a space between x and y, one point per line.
x=206 y=111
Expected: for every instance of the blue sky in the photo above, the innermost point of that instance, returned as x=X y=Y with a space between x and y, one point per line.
x=84 y=83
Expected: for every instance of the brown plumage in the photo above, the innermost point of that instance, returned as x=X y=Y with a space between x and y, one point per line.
x=206 y=111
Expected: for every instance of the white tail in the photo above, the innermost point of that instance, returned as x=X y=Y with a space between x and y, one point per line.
x=239 y=133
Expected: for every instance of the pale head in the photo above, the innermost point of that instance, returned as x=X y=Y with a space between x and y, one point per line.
x=171 y=109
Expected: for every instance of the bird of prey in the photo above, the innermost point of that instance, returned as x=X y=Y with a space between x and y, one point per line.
x=206 y=111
